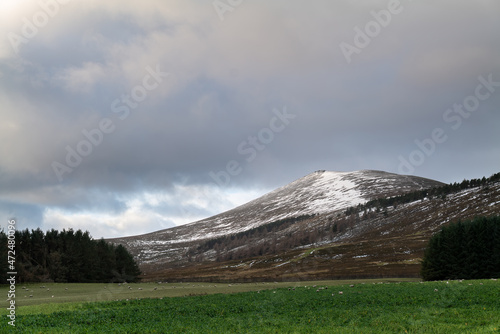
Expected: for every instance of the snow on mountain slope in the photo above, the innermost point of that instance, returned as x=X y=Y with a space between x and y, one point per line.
x=317 y=193
x=389 y=242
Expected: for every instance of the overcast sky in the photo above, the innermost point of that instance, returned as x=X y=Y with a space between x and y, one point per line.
x=126 y=117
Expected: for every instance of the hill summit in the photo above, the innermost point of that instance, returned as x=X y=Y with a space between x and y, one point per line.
x=325 y=225
x=319 y=193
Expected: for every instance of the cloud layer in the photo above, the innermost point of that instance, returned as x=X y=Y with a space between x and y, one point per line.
x=70 y=70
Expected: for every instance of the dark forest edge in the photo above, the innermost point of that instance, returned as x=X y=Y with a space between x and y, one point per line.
x=464 y=250
x=67 y=256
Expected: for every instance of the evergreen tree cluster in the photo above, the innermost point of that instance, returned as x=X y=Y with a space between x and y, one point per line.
x=67 y=256
x=436 y=192
x=464 y=250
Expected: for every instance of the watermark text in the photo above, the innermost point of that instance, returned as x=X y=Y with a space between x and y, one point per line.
x=454 y=117
x=121 y=107
x=11 y=259
x=254 y=144
x=30 y=27
x=373 y=28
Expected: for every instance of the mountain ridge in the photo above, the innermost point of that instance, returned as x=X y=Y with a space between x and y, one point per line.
x=317 y=193
x=384 y=239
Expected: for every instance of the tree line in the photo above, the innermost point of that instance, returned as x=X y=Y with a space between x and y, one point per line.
x=67 y=256
x=435 y=192
x=229 y=247
x=464 y=250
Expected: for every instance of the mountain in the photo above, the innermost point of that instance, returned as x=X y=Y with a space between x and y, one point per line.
x=317 y=199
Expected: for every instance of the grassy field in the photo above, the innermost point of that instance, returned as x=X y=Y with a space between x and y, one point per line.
x=305 y=307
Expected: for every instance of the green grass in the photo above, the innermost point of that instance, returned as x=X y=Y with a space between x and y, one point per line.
x=407 y=307
x=91 y=292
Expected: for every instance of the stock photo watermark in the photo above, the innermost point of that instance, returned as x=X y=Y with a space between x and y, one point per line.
x=222 y=7
x=454 y=117
x=11 y=273
x=121 y=107
x=373 y=28
x=254 y=144
x=31 y=26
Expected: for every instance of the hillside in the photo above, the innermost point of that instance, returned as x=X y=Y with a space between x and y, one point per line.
x=288 y=219
x=379 y=244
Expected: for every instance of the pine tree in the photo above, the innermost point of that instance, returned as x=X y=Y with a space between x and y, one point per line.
x=125 y=265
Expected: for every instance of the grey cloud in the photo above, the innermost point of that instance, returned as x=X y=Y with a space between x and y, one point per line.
x=226 y=77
